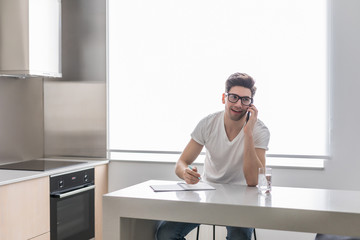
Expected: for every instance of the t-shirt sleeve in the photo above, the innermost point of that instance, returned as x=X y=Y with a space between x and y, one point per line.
x=199 y=133
x=262 y=137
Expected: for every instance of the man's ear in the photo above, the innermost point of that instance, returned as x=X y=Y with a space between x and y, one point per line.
x=223 y=98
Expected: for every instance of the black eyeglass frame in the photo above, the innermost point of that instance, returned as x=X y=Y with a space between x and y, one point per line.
x=239 y=98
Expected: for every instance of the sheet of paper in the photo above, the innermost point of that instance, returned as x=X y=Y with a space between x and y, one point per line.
x=198 y=186
x=166 y=188
x=181 y=186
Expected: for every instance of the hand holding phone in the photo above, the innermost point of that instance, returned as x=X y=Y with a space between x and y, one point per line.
x=248 y=114
x=251 y=118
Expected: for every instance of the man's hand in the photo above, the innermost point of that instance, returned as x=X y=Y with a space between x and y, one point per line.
x=188 y=156
x=191 y=175
x=248 y=129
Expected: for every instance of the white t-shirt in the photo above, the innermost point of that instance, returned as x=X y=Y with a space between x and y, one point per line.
x=224 y=158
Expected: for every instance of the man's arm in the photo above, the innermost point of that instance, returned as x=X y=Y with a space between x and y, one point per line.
x=254 y=158
x=188 y=156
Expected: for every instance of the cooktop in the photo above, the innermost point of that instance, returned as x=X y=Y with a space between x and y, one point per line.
x=38 y=165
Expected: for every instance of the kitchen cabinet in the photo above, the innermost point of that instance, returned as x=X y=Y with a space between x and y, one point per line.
x=101 y=188
x=25 y=210
x=45 y=236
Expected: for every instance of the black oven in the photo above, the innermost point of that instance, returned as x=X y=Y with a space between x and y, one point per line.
x=72 y=205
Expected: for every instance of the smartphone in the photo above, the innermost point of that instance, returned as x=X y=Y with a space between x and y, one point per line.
x=247 y=116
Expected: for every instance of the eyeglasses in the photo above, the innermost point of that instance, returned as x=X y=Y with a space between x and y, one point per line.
x=233 y=98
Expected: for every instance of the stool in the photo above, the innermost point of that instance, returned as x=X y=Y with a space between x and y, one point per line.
x=198 y=231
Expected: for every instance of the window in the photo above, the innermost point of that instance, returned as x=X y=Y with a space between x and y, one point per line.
x=169 y=60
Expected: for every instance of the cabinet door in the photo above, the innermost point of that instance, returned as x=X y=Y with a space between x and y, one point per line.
x=101 y=188
x=25 y=209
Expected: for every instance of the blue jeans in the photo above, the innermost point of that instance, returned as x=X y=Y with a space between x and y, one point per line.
x=178 y=230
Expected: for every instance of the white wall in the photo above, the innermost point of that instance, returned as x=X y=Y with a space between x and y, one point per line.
x=341 y=171
x=344 y=71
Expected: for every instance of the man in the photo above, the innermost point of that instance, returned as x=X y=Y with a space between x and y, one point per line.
x=235 y=150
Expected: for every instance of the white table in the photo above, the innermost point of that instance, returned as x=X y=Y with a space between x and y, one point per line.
x=132 y=213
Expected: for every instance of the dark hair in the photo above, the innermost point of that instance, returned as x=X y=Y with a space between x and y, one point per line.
x=240 y=79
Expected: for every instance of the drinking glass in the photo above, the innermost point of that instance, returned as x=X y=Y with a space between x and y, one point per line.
x=264 y=180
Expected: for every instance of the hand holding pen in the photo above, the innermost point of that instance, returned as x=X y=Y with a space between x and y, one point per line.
x=191 y=176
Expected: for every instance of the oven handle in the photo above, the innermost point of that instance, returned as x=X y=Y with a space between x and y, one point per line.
x=63 y=195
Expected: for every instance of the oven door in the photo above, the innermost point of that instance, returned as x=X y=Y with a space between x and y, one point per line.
x=72 y=214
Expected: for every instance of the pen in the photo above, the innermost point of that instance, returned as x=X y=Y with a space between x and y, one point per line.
x=191 y=168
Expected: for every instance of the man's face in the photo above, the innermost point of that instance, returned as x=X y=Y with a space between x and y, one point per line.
x=236 y=111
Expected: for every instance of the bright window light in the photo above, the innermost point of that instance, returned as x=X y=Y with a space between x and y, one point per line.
x=169 y=60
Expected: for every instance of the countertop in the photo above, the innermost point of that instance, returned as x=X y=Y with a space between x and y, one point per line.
x=13 y=176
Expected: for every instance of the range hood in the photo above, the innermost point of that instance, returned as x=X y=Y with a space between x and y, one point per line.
x=30 y=38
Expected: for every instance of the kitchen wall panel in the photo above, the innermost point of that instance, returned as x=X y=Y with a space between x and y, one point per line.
x=84 y=40
x=21 y=119
x=75 y=119
x=75 y=105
